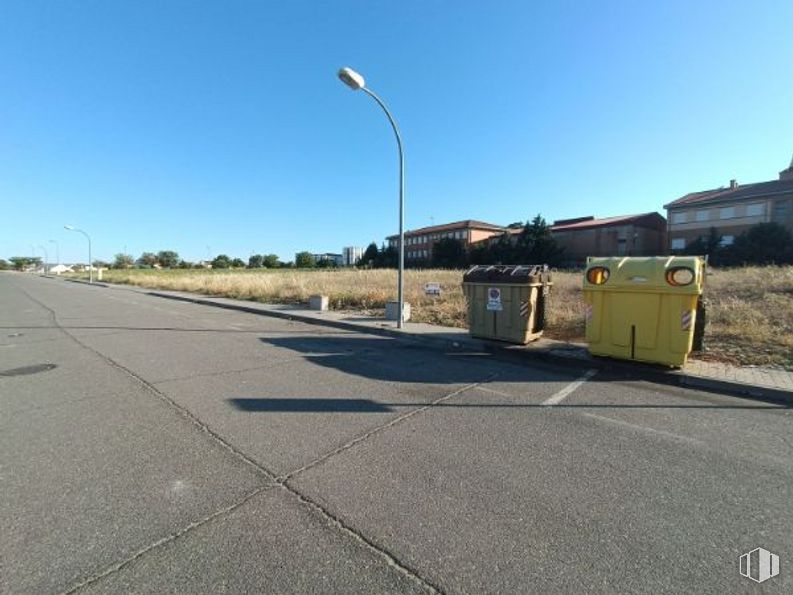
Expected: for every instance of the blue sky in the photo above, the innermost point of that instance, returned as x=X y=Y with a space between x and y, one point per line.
x=220 y=127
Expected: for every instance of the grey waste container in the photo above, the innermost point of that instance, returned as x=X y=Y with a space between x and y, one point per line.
x=507 y=302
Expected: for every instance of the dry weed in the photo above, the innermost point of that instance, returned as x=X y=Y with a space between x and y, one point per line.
x=750 y=309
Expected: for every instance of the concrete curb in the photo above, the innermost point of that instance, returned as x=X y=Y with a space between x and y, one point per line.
x=94 y=284
x=629 y=370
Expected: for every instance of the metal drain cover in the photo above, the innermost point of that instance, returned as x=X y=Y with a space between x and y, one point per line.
x=27 y=370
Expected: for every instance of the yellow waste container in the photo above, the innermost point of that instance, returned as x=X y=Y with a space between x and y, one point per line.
x=507 y=302
x=644 y=309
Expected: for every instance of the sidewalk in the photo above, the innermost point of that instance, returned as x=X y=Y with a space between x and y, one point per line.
x=763 y=383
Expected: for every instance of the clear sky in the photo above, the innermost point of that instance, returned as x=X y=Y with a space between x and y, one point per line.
x=220 y=127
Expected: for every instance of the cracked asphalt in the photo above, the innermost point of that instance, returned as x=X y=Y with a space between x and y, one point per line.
x=149 y=445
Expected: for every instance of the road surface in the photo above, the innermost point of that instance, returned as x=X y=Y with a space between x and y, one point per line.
x=150 y=445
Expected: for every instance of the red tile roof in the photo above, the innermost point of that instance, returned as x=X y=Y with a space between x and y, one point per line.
x=467 y=224
x=609 y=221
x=740 y=192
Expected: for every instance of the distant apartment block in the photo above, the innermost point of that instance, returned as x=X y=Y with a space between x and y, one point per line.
x=336 y=259
x=351 y=255
x=419 y=242
x=731 y=210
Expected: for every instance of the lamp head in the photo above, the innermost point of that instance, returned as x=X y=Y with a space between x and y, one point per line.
x=351 y=78
x=69 y=227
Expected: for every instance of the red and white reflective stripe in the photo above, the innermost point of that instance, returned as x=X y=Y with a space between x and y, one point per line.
x=685 y=320
x=588 y=312
x=524 y=309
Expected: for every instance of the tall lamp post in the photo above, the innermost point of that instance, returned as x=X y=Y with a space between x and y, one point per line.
x=46 y=258
x=87 y=237
x=356 y=82
x=57 y=250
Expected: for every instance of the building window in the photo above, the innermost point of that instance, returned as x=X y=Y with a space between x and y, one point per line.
x=679 y=217
x=781 y=209
x=727 y=213
x=755 y=210
x=678 y=243
x=702 y=216
x=726 y=240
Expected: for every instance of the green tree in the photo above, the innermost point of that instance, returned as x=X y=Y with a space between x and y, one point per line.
x=369 y=257
x=148 y=259
x=221 y=261
x=238 y=263
x=168 y=258
x=123 y=261
x=502 y=251
x=387 y=258
x=271 y=261
x=20 y=263
x=256 y=261
x=184 y=264
x=709 y=245
x=304 y=260
x=4 y=265
x=536 y=245
x=764 y=243
x=448 y=253
x=479 y=253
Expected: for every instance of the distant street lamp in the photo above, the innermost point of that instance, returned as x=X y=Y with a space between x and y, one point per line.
x=46 y=258
x=356 y=82
x=57 y=250
x=87 y=237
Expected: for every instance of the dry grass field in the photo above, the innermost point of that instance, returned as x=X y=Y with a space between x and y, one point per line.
x=750 y=309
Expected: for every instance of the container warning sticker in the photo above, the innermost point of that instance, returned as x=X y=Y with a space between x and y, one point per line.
x=685 y=320
x=494 y=299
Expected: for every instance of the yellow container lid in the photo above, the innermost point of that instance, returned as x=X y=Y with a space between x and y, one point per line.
x=665 y=274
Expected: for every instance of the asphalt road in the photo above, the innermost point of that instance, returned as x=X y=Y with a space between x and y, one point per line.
x=149 y=445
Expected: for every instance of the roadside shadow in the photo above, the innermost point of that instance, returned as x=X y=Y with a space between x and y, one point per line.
x=390 y=360
x=310 y=405
x=354 y=405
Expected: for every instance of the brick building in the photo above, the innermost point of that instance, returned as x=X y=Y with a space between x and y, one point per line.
x=625 y=235
x=731 y=210
x=419 y=242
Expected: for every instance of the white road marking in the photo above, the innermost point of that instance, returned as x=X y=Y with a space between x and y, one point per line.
x=567 y=390
x=493 y=391
x=643 y=428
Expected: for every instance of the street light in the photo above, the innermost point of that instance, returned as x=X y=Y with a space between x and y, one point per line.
x=87 y=237
x=356 y=82
x=57 y=250
x=46 y=258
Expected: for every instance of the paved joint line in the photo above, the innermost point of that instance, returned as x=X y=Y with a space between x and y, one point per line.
x=186 y=413
x=332 y=520
x=567 y=390
x=393 y=422
x=390 y=559
x=271 y=364
x=166 y=540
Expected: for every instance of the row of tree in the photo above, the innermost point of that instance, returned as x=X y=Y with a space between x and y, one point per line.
x=761 y=244
x=765 y=243
x=20 y=263
x=169 y=259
